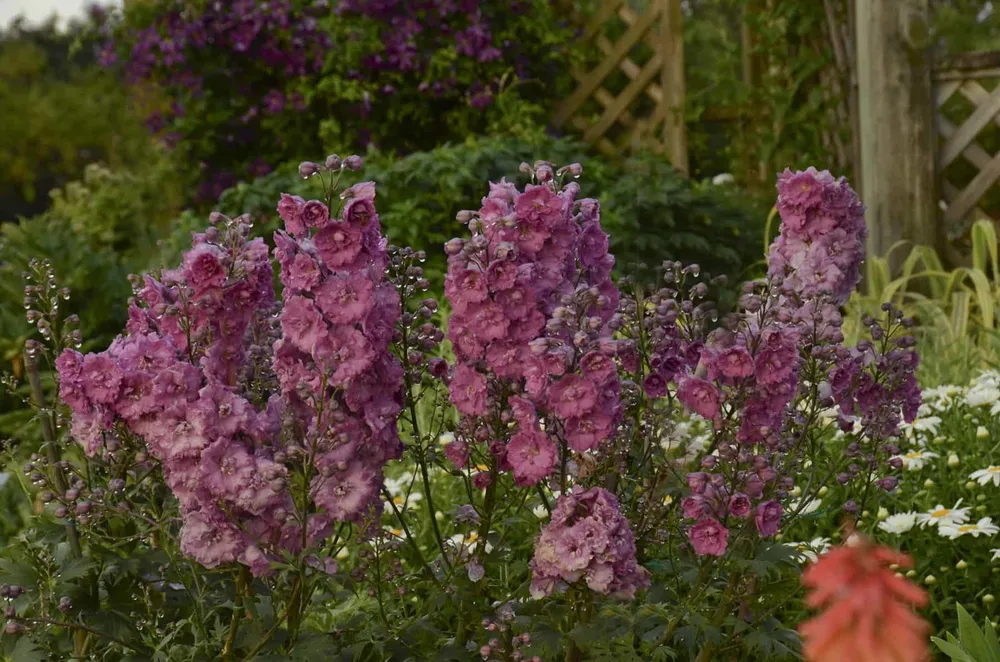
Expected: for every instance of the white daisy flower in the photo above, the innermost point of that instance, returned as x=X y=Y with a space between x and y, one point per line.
x=915 y=460
x=986 y=475
x=899 y=523
x=996 y=554
x=446 y=438
x=941 y=393
x=982 y=395
x=985 y=526
x=540 y=512
x=811 y=506
x=810 y=551
x=941 y=515
x=397 y=488
x=928 y=424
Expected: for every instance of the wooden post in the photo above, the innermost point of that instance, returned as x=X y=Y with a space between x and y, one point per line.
x=896 y=109
x=672 y=84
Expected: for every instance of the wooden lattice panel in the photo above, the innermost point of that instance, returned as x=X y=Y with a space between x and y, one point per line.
x=647 y=111
x=959 y=140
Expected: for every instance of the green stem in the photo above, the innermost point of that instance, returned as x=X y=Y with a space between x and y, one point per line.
x=409 y=537
x=242 y=581
x=81 y=628
x=51 y=449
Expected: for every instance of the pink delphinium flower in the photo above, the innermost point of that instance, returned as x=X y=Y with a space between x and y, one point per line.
x=587 y=539
x=768 y=518
x=708 y=537
x=533 y=455
x=700 y=396
x=531 y=296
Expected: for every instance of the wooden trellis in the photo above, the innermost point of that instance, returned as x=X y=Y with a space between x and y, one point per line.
x=618 y=126
x=965 y=76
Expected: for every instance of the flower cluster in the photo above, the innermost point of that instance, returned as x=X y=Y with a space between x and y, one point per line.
x=588 y=539
x=532 y=299
x=745 y=376
x=333 y=361
x=234 y=407
x=180 y=380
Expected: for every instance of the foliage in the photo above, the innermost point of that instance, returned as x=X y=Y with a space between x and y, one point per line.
x=96 y=231
x=148 y=548
x=961 y=26
x=956 y=311
x=714 y=226
x=240 y=87
x=953 y=437
x=59 y=113
x=972 y=644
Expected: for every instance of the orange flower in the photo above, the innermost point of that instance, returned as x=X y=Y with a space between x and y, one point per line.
x=867 y=609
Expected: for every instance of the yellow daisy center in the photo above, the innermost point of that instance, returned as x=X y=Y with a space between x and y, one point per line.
x=965 y=528
x=941 y=512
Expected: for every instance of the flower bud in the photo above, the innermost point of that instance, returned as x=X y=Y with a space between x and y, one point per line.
x=307 y=169
x=333 y=162
x=353 y=162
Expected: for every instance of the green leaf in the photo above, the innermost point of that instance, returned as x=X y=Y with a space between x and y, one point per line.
x=27 y=651
x=952 y=651
x=972 y=638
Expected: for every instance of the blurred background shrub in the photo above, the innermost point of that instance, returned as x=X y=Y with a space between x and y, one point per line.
x=59 y=112
x=240 y=87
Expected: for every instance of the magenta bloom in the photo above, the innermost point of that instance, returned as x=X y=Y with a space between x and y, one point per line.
x=532 y=455
x=303 y=273
x=700 y=396
x=345 y=300
x=290 y=211
x=538 y=206
x=203 y=267
x=571 y=396
x=768 y=518
x=338 y=244
x=468 y=390
x=587 y=540
x=695 y=506
x=315 y=214
x=734 y=363
x=458 y=453
x=739 y=505
x=708 y=537
x=303 y=323
x=587 y=432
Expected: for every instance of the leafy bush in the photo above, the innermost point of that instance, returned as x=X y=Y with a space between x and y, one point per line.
x=96 y=232
x=955 y=311
x=652 y=212
x=315 y=473
x=972 y=644
x=59 y=112
x=244 y=85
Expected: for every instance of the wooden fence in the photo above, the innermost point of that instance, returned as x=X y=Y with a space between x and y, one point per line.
x=650 y=54
x=967 y=102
